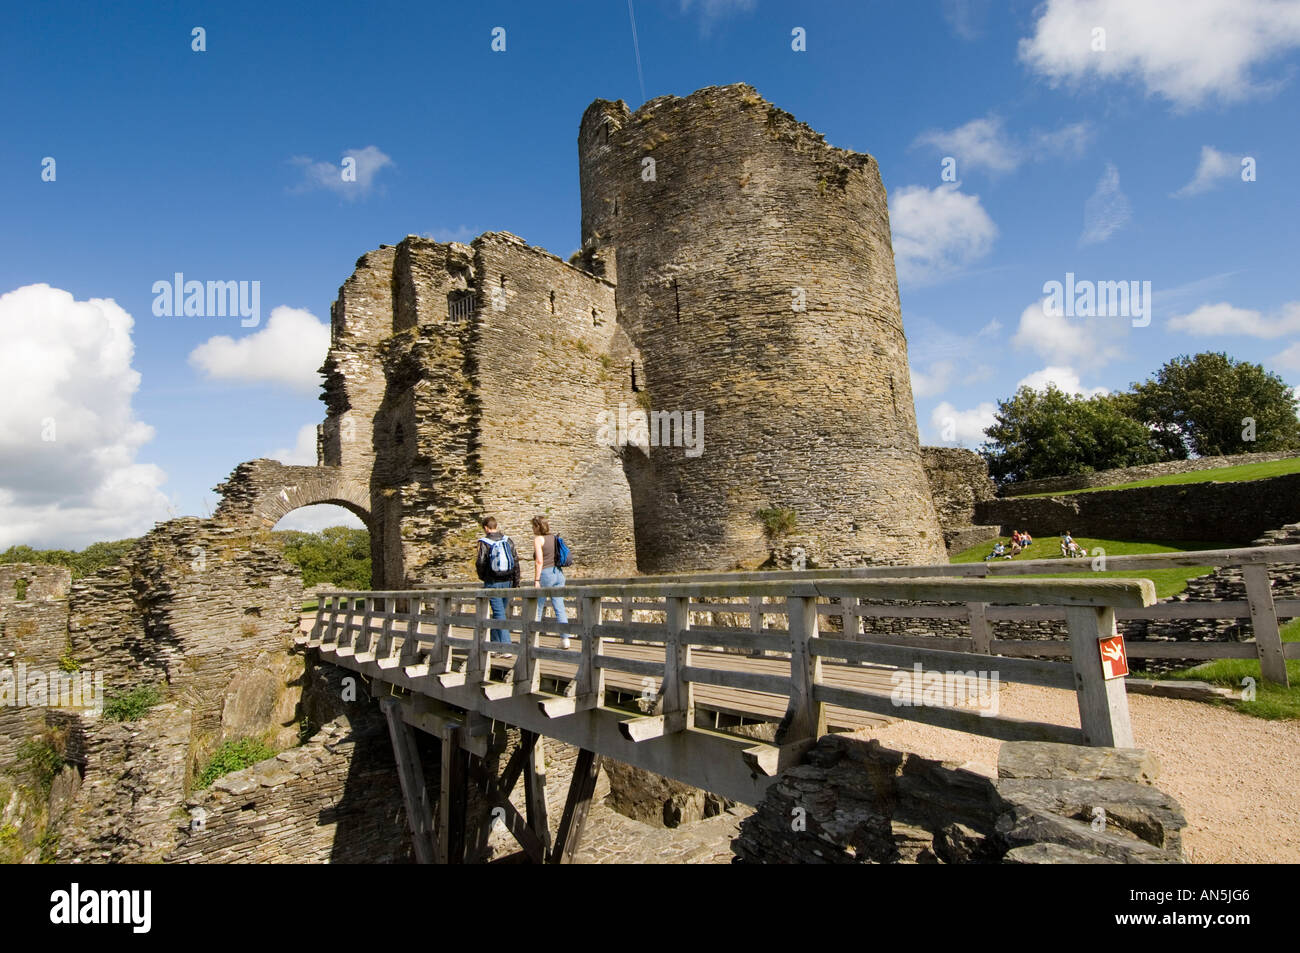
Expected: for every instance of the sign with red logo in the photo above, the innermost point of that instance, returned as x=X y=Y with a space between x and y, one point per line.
x=1114 y=660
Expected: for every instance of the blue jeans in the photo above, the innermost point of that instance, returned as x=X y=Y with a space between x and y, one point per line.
x=553 y=577
x=498 y=610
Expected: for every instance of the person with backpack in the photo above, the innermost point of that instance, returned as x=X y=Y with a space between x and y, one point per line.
x=498 y=567
x=550 y=556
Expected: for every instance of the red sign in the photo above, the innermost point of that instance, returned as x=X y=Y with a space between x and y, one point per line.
x=1114 y=660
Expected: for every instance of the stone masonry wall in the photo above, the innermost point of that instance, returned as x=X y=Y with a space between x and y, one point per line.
x=494 y=412
x=1233 y=513
x=809 y=410
x=336 y=799
x=1083 y=481
x=958 y=480
x=854 y=801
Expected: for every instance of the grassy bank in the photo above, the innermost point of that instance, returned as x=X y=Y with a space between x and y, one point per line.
x=1168 y=582
x=1237 y=474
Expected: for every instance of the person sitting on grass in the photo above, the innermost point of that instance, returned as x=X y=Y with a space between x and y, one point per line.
x=1069 y=548
x=998 y=551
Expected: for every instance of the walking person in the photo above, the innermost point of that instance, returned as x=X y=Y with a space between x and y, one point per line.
x=498 y=567
x=548 y=572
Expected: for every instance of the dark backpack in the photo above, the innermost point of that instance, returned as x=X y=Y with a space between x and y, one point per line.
x=563 y=557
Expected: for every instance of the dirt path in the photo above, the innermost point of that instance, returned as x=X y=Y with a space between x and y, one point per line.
x=1236 y=777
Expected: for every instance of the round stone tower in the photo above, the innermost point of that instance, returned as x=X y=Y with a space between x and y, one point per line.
x=755 y=276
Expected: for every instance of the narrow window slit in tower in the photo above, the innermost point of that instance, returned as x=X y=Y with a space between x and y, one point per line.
x=677 y=301
x=635 y=389
x=607 y=130
x=552 y=302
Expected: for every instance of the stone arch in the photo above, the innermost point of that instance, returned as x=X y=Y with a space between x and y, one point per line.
x=258 y=494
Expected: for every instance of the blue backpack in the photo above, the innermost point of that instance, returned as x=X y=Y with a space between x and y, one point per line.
x=562 y=555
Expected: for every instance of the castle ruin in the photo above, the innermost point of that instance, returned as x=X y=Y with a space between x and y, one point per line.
x=735 y=288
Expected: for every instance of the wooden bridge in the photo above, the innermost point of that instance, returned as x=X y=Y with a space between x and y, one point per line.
x=800 y=658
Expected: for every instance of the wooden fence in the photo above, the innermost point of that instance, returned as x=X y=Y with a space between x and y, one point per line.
x=1259 y=606
x=417 y=632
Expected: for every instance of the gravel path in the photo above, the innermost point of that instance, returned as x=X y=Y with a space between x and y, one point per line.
x=1236 y=777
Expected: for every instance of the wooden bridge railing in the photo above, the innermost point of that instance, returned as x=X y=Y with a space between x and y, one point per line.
x=417 y=632
x=1259 y=607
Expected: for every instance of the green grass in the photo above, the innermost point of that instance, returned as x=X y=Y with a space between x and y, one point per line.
x=131 y=705
x=233 y=755
x=1237 y=474
x=1168 y=582
x=1271 y=701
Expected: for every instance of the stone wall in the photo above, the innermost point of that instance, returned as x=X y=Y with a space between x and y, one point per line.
x=205 y=612
x=493 y=410
x=1232 y=513
x=958 y=480
x=1083 y=481
x=854 y=801
x=810 y=409
x=335 y=799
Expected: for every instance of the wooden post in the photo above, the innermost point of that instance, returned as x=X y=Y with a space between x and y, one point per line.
x=576 y=806
x=678 y=697
x=476 y=669
x=527 y=676
x=1103 y=703
x=806 y=717
x=440 y=659
x=535 y=792
x=590 y=678
x=1263 y=620
x=415 y=793
x=849 y=618
x=452 y=798
x=756 y=622
x=981 y=640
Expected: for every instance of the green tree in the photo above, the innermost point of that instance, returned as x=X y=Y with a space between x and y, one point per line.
x=337 y=555
x=1213 y=404
x=1050 y=433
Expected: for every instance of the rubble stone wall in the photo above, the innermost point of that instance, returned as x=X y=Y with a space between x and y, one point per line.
x=854 y=801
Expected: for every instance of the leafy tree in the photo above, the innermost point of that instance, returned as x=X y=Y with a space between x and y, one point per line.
x=94 y=557
x=1050 y=433
x=338 y=555
x=1204 y=403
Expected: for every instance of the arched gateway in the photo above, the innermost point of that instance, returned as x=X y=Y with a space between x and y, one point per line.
x=259 y=493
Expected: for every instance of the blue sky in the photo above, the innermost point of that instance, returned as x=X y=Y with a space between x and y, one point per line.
x=1115 y=163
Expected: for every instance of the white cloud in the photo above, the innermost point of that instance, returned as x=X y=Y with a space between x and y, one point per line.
x=963 y=426
x=1064 y=379
x=1107 y=211
x=71 y=363
x=966 y=17
x=990 y=329
x=313 y=519
x=330 y=175
x=1289 y=360
x=1223 y=318
x=303 y=452
x=937 y=231
x=1187 y=51
x=711 y=11
x=1215 y=168
x=1069 y=341
x=933 y=382
x=461 y=234
x=288 y=351
x=986 y=144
